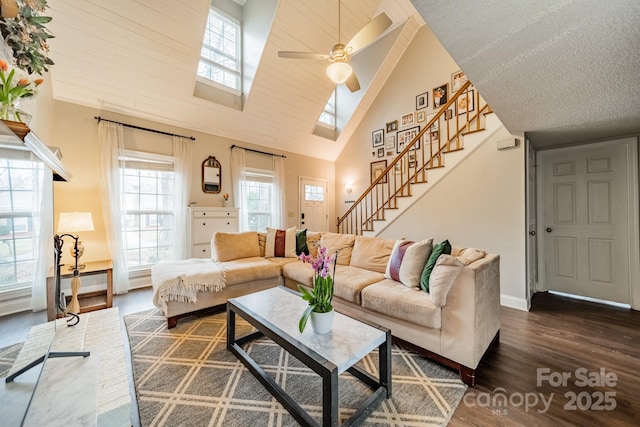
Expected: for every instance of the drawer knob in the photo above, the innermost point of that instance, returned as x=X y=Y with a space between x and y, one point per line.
x=228 y=223
x=204 y=250
x=204 y=223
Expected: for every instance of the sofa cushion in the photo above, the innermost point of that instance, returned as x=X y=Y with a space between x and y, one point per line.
x=249 y=269
x=230 y=246
x=301 y=242
x=281 y=262
x=444 y=274
x=343 y=243
x=280 y=243
x=470 y=255
x=298 y=272
x=349 y=282
x=371 y=253
x=262 y=242
x=407 y=261
x=439 y=249
x=393 y=299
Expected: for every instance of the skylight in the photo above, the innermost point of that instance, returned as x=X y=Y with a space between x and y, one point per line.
x=220 y=58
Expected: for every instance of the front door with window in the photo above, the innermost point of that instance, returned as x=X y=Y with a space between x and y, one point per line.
x=313 y=204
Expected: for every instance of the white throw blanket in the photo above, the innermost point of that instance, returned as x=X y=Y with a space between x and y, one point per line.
x=181 y=280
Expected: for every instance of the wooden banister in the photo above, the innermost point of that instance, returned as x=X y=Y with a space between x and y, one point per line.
x=383 y=192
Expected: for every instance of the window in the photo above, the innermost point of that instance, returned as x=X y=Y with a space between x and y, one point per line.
x=220 y=56
x=328 y=116
x=258 y=189
x=18 y=240
x=313 y=193
x=147 y=208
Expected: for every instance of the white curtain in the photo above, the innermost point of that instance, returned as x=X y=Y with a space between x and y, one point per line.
x=279 y=195
x=43 y=239
x=238 y=171
x=181 y=192
x=110 y=144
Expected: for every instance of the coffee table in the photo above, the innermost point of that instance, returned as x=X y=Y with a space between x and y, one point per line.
x=275 y=313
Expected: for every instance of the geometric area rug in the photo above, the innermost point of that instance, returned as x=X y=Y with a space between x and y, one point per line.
x=186 y=377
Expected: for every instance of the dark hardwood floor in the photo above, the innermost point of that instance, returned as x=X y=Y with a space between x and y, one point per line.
x=559 y=334
x=563 y=336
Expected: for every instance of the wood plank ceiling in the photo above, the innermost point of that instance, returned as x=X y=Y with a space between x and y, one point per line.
x=139 y=57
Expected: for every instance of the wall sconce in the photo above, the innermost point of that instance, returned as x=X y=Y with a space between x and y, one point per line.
x=348 y=188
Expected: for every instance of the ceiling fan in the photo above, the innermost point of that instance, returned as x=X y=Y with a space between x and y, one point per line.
x=339 y=71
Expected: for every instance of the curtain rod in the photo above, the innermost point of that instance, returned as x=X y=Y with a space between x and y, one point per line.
x=258 y=151
x=99 y=119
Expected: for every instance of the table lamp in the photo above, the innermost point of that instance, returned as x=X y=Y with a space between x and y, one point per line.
x=73 y=223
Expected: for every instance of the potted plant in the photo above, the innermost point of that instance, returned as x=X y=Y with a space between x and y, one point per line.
x=14 y=87
x=319 y=298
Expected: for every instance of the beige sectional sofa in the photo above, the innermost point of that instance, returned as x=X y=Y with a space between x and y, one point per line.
x=454 y=324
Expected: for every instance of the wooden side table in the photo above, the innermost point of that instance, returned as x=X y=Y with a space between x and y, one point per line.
x=89 y=301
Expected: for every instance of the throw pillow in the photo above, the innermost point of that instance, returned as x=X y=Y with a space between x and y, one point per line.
x=313 y=241
x=301 y=242
x=444 y=274
x=280 y=243
x=470 y=255
x=343 y=243
x=230 y=246
x=407 y=261
x=439 y=249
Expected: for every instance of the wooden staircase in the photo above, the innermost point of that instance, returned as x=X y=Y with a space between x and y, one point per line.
x=443 y=134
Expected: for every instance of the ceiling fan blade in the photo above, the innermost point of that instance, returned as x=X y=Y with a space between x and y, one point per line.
x=369 y=33
x=352 y=83
x=301 y=55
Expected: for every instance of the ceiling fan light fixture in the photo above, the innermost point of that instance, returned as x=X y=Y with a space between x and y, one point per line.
x=339 y=72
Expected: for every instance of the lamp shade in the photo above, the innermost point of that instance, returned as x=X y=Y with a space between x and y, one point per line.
x=73 y=222
x=339 y=72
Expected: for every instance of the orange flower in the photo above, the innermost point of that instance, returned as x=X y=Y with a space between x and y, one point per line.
x=38 y=82
x=3 y=65
x=23 y=82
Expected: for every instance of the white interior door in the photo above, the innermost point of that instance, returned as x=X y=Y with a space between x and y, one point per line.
x=314 y=213
x=585 y=221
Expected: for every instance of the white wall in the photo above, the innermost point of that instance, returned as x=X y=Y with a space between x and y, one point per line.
x=481 y=203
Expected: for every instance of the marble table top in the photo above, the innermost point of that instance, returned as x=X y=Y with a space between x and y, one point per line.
x=279 y=309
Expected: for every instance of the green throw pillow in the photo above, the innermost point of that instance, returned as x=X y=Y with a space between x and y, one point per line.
x=301 y=242
x=439 y=249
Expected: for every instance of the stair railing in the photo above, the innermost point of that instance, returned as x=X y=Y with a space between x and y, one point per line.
x=443 y=133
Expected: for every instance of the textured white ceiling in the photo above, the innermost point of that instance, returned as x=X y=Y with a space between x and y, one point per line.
x=564 y=71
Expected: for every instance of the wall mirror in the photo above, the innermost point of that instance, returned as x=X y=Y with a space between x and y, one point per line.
x=211 y=175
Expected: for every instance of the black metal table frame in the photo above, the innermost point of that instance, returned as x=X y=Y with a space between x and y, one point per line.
x=327 y=370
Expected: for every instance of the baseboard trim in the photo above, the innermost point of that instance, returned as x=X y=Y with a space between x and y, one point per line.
x=15 y=306
x=514 y=302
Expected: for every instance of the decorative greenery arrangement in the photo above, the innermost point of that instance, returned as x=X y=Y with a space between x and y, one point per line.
x=11 y=91
x=27 y=36
x=320 y=296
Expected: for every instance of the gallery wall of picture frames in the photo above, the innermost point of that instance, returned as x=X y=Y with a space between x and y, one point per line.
x=391 y=139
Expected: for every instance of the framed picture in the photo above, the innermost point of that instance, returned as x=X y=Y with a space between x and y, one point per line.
x=390 y=153
x=457 y=80
x=390 y=142
x=406 y=119
x=380 y=152
x=412 y=160
x=374 y=153
x=406 y=136
x=398 y=168
x=434 y=126
x=434 y=136
x=392 y=126
x=466 y=102
x=420 y=116
x=448 y=115
x=440 y=95
x=377 y=138
x=376 y=170
x=422 y=101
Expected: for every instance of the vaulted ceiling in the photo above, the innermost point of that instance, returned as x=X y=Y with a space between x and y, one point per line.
x=139 y=57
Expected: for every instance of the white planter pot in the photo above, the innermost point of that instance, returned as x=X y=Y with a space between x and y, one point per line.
x=321 y=323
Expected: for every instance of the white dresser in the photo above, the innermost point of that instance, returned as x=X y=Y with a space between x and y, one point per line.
x=206 y=221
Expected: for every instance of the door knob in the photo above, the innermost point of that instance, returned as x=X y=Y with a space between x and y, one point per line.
x=549 y=230
x=532 y=233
